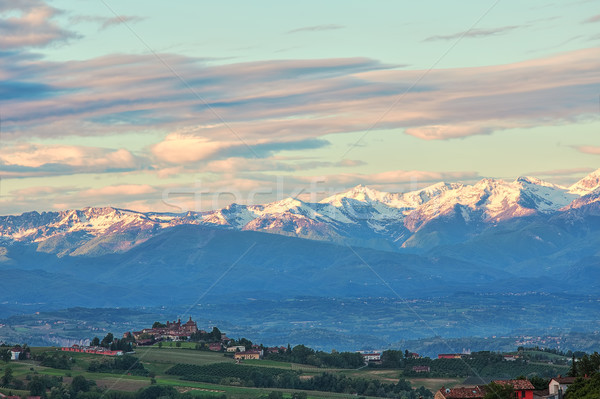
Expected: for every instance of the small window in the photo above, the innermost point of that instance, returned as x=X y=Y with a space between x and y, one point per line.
x=523 y=394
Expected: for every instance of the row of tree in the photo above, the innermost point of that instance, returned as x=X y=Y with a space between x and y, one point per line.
x=305 y=355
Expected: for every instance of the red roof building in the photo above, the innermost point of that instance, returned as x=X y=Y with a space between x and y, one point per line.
x=460 y=393
x=523 y=388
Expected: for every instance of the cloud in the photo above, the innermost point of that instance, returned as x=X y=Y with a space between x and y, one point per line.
x=439 y=132
x=474 y=33
x=34 y=160
x=595 y=18
x=316 y=28
x=181 y=149
x=588 y=149
x=33 y=27
x=286 y=101
x=120 y=19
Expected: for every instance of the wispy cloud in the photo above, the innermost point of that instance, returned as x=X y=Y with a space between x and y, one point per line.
x=589 y=149
x=316 y=28
x=474 y=33
x=106 y=22
x=595 y=18
x=128 y=19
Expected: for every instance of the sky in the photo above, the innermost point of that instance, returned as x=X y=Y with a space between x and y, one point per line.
x=192 y=105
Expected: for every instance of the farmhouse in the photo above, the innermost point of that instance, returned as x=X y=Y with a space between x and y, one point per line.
x=253 y=354
x=237 y=348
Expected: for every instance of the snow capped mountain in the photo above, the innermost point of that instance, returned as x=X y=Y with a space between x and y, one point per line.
x=492 y=200
x=586 y=185
x=361 y=215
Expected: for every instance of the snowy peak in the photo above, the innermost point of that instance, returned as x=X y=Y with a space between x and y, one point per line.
x=586 y=185
x=491 y=200
x=359 y=193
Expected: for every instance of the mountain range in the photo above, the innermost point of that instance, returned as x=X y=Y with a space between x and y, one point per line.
x=492 y=236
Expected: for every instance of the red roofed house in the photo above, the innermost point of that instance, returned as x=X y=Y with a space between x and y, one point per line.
x=15 y=353
x=460 y=393
x=215 y=346
x=523 y=388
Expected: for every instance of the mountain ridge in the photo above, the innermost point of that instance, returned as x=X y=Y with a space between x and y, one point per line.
x=377 y=219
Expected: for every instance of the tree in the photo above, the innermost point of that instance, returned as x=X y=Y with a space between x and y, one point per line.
x=95 y=342
x=573 y=369
x=37 y=386
x=7 y=378
x=59 y=392
x=106 y=341
x=275 y=395
x=499 y=391
x=158 y=324
x=584 y=388
x=216 y=334
x=81 y=384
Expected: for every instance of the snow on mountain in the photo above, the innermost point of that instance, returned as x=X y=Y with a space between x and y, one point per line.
x=33 y=226
x=358 y=215
x=586 y=185
x=492 y=200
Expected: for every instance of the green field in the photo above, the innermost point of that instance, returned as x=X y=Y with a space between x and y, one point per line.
x=158 y=360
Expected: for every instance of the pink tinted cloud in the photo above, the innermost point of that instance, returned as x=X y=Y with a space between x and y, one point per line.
x=589 y=149
x=29 y=159
x=299 y=99
x=32 y=28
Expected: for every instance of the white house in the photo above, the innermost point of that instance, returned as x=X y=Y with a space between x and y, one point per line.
x=559 y=385
x=14 y=353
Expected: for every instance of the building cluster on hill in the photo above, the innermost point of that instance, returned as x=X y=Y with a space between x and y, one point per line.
x=174 y=331
x=523 y=389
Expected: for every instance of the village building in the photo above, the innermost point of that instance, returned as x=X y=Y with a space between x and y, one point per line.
x=421 y=369
x=451 y=355
x=237 y=348
x=97 y=350
x=173 y=331
x=371 y=357
x=558 y=386
x=215 y=346
x=523 y=388
x=251 y=354
x=15 y=353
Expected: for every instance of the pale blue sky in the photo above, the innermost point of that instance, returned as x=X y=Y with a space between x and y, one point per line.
x=105 y=102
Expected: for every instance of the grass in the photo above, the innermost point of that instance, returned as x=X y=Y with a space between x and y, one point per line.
x=433 y=384
x=174 y=356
